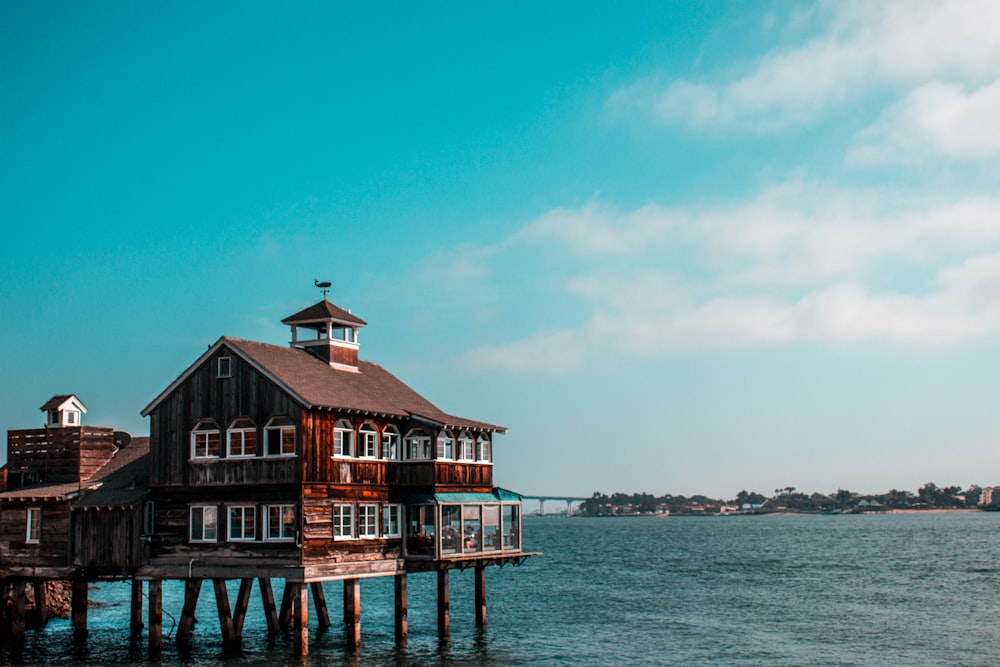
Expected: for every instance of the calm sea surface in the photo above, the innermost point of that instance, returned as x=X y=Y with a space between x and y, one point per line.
x=902 y=589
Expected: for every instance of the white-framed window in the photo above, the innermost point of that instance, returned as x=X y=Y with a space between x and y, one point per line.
x=484 y=453
x=367 y=521
x=281 y=523
x=70 y=417
x=204 y=523
x=343 y=521
x=225 y=367
x=368 y=442
x=445 y=445
x=391 y=521
x=34 y=524
x=390 y=443
x=343 y=439
x=242 y=523
x=466 y=447
x=241 y=439
x=279 y=437
x=417 y=445
x=205 y=440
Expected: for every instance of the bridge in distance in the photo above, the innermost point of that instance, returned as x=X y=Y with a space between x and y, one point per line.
x=569 y=500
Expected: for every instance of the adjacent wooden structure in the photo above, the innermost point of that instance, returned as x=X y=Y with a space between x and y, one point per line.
x=302 y=463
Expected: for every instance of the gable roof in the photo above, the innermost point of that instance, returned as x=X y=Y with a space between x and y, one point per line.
x=124 y=480
x=59 y=400
x=322 y=311
x=313 y=384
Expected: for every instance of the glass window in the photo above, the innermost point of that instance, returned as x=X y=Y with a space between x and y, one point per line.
x=205 y=440
x=451 y=529
x=225 y=367
x=483 y=450
x=472 y=527
x=343 y=522
x=368 y=521
x=466 y=447
x=445 y=446
x=369 y=442
x=417 y=446
x=390 y=520
x=281 y=522
x=242 y=439
x=390 y=444
x=343 y=439
x=491 y=528
x=511 y=527
x=34 y=522
x=279 y=437
x=204 y=523
x=242 y=523
x=420 y=530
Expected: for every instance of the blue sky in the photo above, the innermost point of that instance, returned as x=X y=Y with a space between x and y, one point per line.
x=673 y=246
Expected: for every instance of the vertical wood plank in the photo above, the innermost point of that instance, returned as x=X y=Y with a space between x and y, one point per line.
x=41 y=609
x=242 y=602
x=229 y=640
x=480 y=596
x=79 y=608
x=319 y=602
x=444 y=621
x=300 y=613
x=155 y=616
x=270 y=611
x=285 y=615
x=402 y=625
x=192 y=588
x=352 y=612
x=135 y=624
x=17 y=614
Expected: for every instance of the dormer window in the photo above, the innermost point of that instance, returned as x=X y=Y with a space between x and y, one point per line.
x=205 y=440
x=225 y=367
x=466 y=447
x=390 y=443
x=445 y=445
x=368 y=442
x=417 y=446
x=484 y=452
x=241 y=439
x=279 y=437
x=343 y=439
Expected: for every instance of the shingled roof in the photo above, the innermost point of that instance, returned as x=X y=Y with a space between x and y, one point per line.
x=324 y=310
x=123 y=481
x=314 y=384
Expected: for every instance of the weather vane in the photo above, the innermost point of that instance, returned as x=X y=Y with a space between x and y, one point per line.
x=324 y=287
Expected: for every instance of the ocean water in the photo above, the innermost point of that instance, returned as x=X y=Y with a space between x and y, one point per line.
x=866 y=590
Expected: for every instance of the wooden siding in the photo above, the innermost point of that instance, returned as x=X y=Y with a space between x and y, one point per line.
x=106 y=540
x=318 y=545
x=52 y=549
x=256 y=470
x=58 y=455
x=246 y=393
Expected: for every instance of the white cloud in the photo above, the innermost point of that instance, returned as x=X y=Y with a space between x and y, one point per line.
x=798 y=263
x=935 y=120
x=862 y=47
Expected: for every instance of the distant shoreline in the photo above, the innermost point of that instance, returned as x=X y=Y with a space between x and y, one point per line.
x=663 y=515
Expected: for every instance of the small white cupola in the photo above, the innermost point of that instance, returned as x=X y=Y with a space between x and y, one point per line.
x=331 y=333
x=63 y=410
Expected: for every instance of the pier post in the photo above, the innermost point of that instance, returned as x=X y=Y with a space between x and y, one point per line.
x=192 y=588
x=402 y=625
x=319 y=602
x=270 y=611
x=229 y=640
x=242 y=602
x=79 y=608
x=300 y=613
x=41 y=609
x=480 y=596
x=155 y=617
x=135 y=624
x=285 y=615
x=352 y=612
x=444 y=621
x=17 y=615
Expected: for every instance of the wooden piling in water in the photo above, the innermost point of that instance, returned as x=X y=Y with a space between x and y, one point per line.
x=192 y=587
x=17 y=614
x=135 y=624
x=480 y=596
x=229 y=640
x=285 y=615
x=155 y=616
x=270 y=611
x=401 y=623
x=242 y=602
x=319 y=602
x=352 y=612
x=300 y=613
x=444 y=621
x=79 y=608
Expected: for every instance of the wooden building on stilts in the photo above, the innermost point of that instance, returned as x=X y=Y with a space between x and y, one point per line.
x=299 y=463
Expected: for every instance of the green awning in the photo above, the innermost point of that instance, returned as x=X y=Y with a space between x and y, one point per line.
x=496 y=496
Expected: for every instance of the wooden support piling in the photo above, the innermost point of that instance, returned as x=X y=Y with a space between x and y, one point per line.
x=402 y=625
x=79 y=608
x=285 y=615
x=17 y=614
x=192 y=587
x=229 y=640
x=155 y=616
x=41 y=609
x=444 y=621
x=270 y=611
x=135 y=624
x=242 y=602
x=480 y=596
x=300 y=613
x=352 y=612
x=319 y=602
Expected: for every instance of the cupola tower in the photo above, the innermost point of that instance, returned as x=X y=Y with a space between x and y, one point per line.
x=329 y=332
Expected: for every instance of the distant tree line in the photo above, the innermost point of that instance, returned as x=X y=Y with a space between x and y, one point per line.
x=929 y=496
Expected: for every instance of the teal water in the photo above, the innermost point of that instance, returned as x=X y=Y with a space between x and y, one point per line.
x=905 y=589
